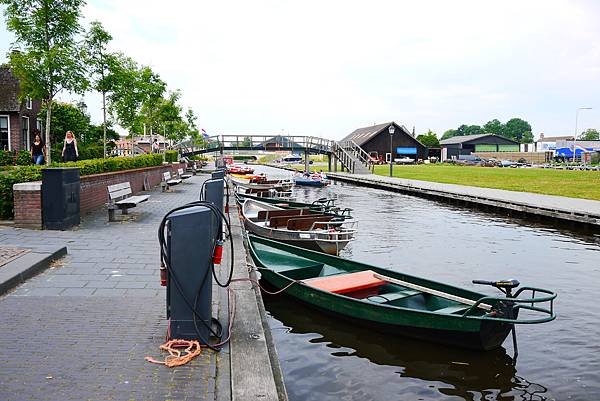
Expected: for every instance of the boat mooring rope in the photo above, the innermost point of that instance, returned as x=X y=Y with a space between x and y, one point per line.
x=178 y=357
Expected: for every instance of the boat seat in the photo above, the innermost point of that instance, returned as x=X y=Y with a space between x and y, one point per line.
x=266 y=214
x=392 y=296
x=357 y=285
x=307 y=223
x=453 y=309
x=282 y=221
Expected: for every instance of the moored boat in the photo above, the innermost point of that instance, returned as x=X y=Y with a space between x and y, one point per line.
x=310 y=229
x=263 y=183
x=399 y=303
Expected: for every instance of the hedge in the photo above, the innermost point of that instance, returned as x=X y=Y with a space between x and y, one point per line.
x=171 y=156
x=86 y=167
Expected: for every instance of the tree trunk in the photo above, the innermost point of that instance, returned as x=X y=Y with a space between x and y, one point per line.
x=104 y=122
x=48 y=146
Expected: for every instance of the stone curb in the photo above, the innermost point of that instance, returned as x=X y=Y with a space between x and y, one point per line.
x=17 y=271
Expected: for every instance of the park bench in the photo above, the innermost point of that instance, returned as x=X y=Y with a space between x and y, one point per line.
x=119 y=198
x=168 y=181
x=182 y=174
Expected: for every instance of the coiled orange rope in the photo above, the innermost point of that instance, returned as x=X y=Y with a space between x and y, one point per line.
x=178 y=357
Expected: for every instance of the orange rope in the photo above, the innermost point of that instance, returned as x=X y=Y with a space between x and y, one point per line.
x=175 y=357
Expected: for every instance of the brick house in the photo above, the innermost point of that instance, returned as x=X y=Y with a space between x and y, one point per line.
x=17 y=119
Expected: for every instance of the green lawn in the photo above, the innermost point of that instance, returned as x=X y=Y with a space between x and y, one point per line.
x=575 y=184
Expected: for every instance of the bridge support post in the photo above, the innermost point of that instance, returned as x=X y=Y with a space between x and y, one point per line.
x=306 y=161
x=329 y=162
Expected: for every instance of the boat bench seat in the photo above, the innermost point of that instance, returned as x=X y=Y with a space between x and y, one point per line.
x=282 y=221
x=392 y=296
x=357 y=285
x=307 y=223
x=266 y=214
x=453 y=309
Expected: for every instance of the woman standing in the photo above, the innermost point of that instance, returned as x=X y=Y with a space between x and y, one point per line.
x=38 y=150
x=70 y=152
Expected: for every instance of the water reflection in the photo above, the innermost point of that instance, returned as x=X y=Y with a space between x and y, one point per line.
x=468 y=375
x=325 y=359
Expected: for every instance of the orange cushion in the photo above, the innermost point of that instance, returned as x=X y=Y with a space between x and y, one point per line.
x=345 y=283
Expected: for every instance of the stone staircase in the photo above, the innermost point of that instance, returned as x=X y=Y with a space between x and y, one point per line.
x=352 y=157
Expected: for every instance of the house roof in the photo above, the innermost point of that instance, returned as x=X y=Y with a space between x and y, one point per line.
x=555 y=138
x=363 y=135
x=9 y=91
x=467 y=138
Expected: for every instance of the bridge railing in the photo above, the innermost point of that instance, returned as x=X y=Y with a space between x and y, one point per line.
x=270 y=142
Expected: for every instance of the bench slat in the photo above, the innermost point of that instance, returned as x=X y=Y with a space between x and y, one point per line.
x=133 y=200
x=119 y=193
x=116 y=187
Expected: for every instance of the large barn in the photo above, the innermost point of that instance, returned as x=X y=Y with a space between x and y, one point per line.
x=467 y=144
x=375 y=140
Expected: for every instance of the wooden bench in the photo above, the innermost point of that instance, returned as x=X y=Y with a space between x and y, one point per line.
x=118 y=198
x=182 y=174
x=168 y=182
x=267 y=214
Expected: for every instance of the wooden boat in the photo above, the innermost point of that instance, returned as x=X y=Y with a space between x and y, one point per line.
x=263 y=183
x=266 y=195
x=324 y=232
x=398 y=303
x=316 y=181
x=240 y=170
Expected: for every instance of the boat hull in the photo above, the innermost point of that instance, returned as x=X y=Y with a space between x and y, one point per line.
x=473 y=331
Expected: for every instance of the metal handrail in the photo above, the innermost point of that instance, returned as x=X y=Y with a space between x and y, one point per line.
x=519 y=303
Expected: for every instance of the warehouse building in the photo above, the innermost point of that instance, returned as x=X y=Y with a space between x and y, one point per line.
x=467 y=144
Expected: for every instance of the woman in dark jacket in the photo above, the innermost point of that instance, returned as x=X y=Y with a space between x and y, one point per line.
x=38 y=150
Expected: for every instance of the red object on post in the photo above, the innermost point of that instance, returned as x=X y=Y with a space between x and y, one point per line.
x=218 y=252
x=163 y=276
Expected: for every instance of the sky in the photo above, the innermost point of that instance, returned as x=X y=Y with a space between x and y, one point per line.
x=325 y=68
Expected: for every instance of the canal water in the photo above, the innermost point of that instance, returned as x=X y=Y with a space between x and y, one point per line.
x=327 y=359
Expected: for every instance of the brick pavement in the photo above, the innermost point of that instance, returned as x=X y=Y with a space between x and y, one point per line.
x=81 y=329
x=8 y=253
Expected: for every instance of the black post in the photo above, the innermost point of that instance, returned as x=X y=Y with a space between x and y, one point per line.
x=391 y=154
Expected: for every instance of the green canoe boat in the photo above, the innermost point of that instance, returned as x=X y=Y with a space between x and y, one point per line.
x=398 y=303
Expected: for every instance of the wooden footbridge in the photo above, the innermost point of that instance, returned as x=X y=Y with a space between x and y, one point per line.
x=350 y=156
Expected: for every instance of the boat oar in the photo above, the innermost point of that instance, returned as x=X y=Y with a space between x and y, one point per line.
x=431 y=291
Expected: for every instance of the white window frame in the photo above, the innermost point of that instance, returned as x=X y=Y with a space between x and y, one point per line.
x=39 y=124
x=388 y=157
x=8 y=126
x=28 y=103
x=28 y=137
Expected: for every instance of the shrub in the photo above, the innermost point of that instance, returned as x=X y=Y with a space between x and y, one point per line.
x=86 y=167
x=90 y=152
x=6 y=158
x=23 y=158
x=11 y=177
x=171 y=156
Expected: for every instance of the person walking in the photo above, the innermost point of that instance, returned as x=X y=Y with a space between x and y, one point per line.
x=70 y=152
x=38 y=150
x=155 y=146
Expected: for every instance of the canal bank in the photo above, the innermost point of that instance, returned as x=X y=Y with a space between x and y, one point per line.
x=545 y=207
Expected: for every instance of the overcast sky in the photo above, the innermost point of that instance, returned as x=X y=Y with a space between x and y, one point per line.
x=328 y=67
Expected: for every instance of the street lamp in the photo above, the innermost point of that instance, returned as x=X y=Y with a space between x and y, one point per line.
x=575 y=137
x=391 y=130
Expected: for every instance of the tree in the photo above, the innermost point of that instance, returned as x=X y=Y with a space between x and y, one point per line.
x=67 y=117
x=47 y=59
x=429 y=139
x=517 y=129
x=99 y=62
x=450 y=133
x=590 y=134
x=494 y=127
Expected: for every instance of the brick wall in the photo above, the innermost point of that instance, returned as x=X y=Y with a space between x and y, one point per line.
x=29 y=198
x=93 y=193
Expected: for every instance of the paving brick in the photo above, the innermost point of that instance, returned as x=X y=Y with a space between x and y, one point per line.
x=89 y=335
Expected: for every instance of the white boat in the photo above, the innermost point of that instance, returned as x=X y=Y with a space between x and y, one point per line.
x=303 y=227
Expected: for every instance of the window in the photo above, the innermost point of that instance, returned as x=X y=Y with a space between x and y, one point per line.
x=38 y=124
x=28 y=103
x=4 y=133
x=25 y=132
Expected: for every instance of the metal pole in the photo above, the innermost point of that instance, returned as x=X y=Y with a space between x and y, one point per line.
x=391 y=153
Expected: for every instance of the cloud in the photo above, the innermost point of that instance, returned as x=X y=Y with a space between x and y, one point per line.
x=326 y=68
